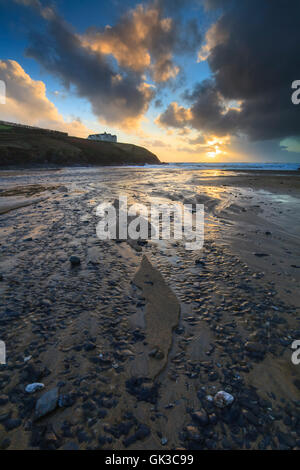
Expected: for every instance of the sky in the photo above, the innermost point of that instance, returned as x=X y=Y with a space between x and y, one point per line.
x=191 y=80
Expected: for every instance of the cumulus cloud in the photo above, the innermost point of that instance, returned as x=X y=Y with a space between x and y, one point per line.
x=144 y=39
x=109 y=66
x=208 y=112
x=26 y=102
x=117 y=96
x=174 y=116
x=252 y=51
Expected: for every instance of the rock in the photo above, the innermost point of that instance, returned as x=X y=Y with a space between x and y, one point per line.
x=31 y=388
x=3 y=400
x=143 y=389
x=260 y=255
x=47 y=403
x=213 y=419
x=192 y=433
x=89 y=346
x=12 y=424
x=156 y=354
x=223 y=399
x=297 y=383
x=50 y=438
x=74 y=260
x=64 y=401
x=201 y=417
x=5 y=444
x=70 y=446
x=286 y=439
x=161 y=317
x=252 y=346
x=142 y=432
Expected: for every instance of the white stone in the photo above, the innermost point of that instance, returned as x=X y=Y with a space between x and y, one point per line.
x=31 y=388
x=222 y=399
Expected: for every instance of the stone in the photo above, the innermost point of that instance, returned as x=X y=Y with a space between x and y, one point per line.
x=200 y=417
x=260 y=255
x=5 y=444
x=65 y=400
x=46 y=403
x=74 y=260
x=192 y=433
x=3 y=400
x=223 y=399
x=31 y=388
x=12 y=424
x=70 y=446
x=253 y=346
x=142 y=432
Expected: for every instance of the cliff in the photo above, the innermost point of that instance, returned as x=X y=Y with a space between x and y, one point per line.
x=28 y=147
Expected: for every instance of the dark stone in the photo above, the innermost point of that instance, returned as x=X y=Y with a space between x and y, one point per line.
x=102 y=413
x=142 y=432
x=74 y=260
x=3 y=400
x=213 y=419
x=70 y=446
x=193 y=434
x=46 y=403
x=83 y=436
x=286 y=439
x=89 y=346
x=122 y=429
x=66 y=400
x=5 y=444
x=251 y=346
x=260 y=255
x=12 y=424
x=200 y=417
x=143 y=389
x=297 y=383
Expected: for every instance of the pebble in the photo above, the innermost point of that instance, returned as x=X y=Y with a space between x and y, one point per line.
x=31 y=388
x=223 y=399
x=252 y=346
x=11 y=424
x=46 y=403
x=74 y=260
x=201 y=417
x=261 y=255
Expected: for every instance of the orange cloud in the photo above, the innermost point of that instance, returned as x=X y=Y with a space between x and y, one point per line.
x=142 y=40
x=26 y=102
x=174 y=116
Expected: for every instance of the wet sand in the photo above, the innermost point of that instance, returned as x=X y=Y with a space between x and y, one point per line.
x=85 y=330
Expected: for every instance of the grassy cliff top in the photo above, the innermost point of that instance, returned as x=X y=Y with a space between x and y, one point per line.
x=25 y=147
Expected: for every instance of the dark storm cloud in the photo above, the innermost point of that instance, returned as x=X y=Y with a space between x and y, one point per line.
x=253 y=53
x=119 y=97
x=208 y=111
x=108 y=65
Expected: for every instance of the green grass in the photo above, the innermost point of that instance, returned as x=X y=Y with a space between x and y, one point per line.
x=4 y=128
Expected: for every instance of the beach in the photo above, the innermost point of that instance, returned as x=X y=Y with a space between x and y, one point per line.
x=132 y=341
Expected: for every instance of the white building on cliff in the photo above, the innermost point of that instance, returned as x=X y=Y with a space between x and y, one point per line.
x=103 y=137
